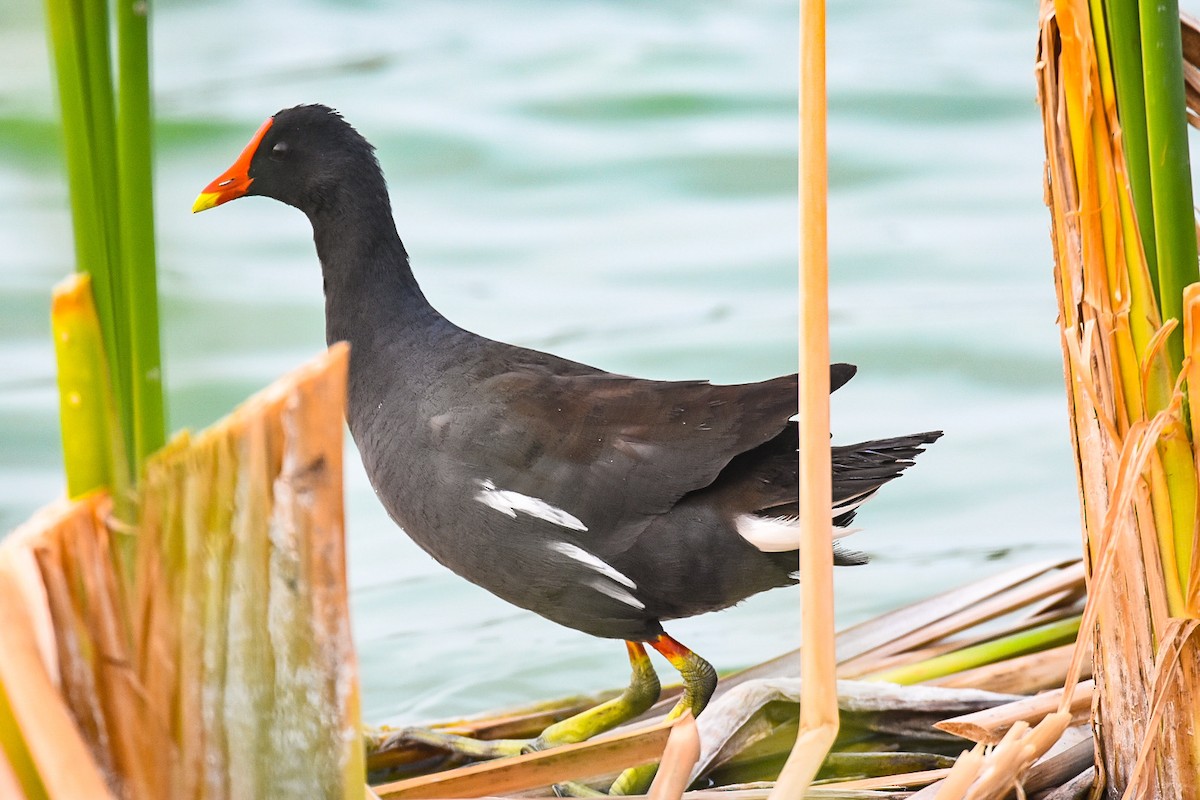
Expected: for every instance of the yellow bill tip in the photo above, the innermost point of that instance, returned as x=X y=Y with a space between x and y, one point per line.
x=205 y=201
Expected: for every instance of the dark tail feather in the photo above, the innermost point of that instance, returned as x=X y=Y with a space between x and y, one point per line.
x=845 y=557
x=860 y=469
x=839 y=374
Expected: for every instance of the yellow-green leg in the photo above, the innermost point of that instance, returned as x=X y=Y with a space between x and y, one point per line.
x=639 y=695
x=642 y=692
x=699 y=683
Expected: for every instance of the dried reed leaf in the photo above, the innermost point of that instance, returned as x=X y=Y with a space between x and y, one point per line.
x=519 y=773
x=34 y=718
x=1078 y=788
x=1028 y=674
x=1003 y=601
x=755 y=711
x=901 y=781
x=990 y=725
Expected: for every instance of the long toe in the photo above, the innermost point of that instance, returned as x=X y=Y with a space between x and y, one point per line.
x=641 y=693
x=453 y=743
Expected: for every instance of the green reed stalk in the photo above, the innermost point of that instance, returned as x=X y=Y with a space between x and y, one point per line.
x=106 y=129
x=87 y=197
x=1147 y=64
x=1170 y=166
x=135 y=190
x=1125 y=44
x=1042 y=637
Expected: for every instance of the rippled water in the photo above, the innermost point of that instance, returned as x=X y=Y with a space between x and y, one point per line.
x=614 y=181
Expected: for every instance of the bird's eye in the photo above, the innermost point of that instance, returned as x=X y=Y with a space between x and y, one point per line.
x=279 y=151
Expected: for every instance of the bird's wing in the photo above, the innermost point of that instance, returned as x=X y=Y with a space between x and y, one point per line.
x=610 y=451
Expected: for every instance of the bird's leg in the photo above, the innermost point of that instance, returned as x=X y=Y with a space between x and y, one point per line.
x=699 y=683
x=699 y=677
x=642 y=692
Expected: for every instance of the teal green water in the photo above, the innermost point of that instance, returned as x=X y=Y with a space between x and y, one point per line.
x=614 y=181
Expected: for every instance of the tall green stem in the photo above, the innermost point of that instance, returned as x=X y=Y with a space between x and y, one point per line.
x=107 y=129
x=135 y=190
x=1170 y=167
x=1124 y=39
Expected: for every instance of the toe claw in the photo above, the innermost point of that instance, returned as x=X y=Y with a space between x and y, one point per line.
x=575 y=789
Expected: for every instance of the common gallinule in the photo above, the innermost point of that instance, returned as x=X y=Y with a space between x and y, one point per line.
x=602 y=502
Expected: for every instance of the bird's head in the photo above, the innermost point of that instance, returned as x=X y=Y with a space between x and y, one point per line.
x=303 y=156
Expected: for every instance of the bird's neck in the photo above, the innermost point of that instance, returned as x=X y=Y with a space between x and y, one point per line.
x=370 y=291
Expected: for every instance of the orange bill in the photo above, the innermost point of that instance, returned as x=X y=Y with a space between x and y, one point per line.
x=235 y=181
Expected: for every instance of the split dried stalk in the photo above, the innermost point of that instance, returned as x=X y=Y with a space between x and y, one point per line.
x=1130 y=418
x=44 y=754
x=993 y=774
x=225 y=667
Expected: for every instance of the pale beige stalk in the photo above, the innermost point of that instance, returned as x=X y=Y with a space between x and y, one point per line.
x=818 y=707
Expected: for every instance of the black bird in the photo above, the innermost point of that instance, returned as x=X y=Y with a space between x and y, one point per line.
x=602 y=502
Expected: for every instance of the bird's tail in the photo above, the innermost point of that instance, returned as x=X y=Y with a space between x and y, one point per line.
x=858 y=472
x=860 y=469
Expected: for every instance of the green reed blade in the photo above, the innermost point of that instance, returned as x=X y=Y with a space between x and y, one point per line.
x=1040 y=638
x=92 y=452
x=107 y=132
x=135 y=190
x=1124 y=41
x=1170 y=166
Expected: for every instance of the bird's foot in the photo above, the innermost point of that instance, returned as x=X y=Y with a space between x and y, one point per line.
x=453 y=743
x=635 y=780
x=642 y=692
x=699 y=683
x=575 y=789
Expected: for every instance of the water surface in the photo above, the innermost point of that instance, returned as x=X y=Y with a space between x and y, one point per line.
x=614 y=181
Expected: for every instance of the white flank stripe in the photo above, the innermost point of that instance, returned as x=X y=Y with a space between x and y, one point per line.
x=593 y=562
x=777 y=534
x=616 y=593
x=510 y=503
x=769 y=534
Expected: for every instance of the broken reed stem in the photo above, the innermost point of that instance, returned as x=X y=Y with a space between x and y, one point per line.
x=990 y=725
x=225 y=666
x=93 y=452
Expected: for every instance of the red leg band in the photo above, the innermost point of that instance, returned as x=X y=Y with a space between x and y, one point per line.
x=672 y=650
